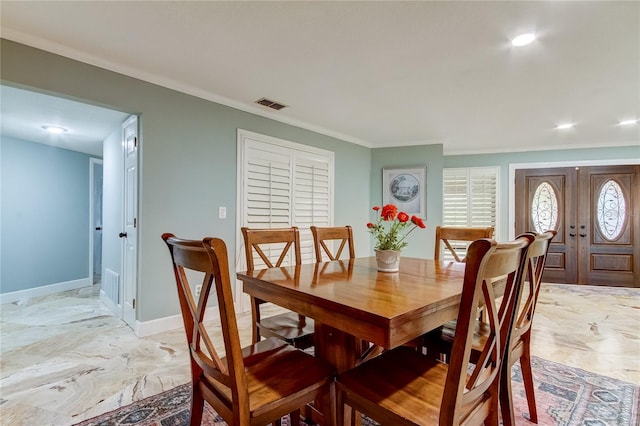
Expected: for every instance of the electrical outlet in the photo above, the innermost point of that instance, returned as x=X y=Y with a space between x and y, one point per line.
x=198 y=290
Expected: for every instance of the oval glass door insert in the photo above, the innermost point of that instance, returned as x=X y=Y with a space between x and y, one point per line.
x=611 y=209
x=544 y=208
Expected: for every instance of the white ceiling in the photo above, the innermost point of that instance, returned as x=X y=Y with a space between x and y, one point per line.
x=24 y=113
x=375 y=73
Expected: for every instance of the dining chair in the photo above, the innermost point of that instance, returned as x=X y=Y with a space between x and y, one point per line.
x=272 y=247
x=255 y=385
x=405 y=387
x=343 y=234
x=457 y=238
x=521 y=338
x=520 y=347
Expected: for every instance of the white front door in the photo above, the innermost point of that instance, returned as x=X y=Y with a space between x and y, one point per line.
x=129 y=234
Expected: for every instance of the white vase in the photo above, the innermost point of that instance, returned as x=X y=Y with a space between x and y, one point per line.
x=388 y=260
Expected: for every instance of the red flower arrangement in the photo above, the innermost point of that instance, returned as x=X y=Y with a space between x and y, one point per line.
x=388 y=228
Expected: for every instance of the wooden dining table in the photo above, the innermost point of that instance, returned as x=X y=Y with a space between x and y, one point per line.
x=351 y=302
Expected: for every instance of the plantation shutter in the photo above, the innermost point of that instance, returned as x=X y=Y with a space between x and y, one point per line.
x=283 y=184
x=268 y=181
x=469 y=199
x=455 y=193
x=311 y=197
x=483 y=184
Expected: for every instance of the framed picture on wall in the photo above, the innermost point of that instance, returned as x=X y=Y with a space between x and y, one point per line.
x=406 y=189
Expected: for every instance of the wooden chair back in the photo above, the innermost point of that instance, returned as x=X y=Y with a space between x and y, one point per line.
x=493 y=272
x=449 y=236
x=273 y=246
x=534 y=267
x=251 y=386
x=343 y=234
x=277 y=242
x=519 y=348
x=208 y=257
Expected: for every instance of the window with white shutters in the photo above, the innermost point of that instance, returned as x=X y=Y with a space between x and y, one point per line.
x=312 y=189
x=470 y=198
x=282 y=184
x=268 y=186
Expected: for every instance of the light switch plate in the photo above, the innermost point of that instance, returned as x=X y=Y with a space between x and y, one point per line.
x=222 y=212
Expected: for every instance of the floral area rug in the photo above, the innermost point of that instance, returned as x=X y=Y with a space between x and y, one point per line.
x=565 y=396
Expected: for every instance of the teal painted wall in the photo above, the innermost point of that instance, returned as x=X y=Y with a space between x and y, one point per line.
x=45 y=215
x=421 y=241
x=188 y=160
x=624 y=154
x=188 y=163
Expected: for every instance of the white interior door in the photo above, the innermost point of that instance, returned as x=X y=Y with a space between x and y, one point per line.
x=129 y=234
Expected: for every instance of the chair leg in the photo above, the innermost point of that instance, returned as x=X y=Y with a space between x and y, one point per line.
x=197 y=400
x=506 y=399
x=197 y=405
x=493 y=418
x=340 y=408
x=527 y=379
x=255 y=319
x=294 y=416
x=330 y=405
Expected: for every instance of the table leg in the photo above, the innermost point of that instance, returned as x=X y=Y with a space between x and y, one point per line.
x=339 y=349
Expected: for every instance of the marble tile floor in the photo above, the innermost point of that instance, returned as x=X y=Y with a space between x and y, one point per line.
x=66 y=357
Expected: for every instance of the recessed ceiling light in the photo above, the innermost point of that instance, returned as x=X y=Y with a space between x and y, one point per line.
x=564 y=126
x=54 y=129
x=523 y=39
x=628 y=122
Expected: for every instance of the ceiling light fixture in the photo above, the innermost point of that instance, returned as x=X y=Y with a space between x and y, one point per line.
x=564 y=126
x=55 y=130
x=628 y=122
x=523 y=39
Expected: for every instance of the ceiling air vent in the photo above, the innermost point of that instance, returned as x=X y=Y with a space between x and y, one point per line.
x=270 y=104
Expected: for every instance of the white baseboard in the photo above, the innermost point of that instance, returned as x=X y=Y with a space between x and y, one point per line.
x=113 y=307
x=149 y=328
x=44 y=290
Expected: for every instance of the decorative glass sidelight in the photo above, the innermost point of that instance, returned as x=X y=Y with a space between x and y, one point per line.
x=611 y=210
x=544 y=208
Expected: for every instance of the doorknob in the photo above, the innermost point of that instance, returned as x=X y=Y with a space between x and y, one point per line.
x=122 y=235
x=583 y=234
x=573 y=234
x=98 y=228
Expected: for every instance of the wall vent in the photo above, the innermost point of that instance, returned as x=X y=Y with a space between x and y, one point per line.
x=271 y=104
x=111 y=285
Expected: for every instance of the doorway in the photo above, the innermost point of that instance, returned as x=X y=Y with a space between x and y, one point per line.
x=89 y=211
x=95 y=223
x=592 y=208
